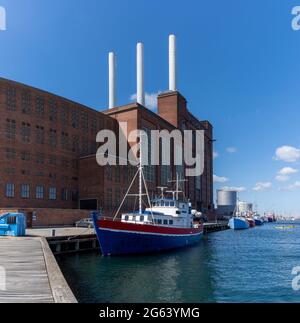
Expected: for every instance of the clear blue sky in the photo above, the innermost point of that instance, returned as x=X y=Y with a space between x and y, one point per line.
x=239 y=67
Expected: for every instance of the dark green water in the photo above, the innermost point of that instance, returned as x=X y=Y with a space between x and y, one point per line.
x=231 y=266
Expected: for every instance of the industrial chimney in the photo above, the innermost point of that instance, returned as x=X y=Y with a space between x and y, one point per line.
x=112 y=80
x=140 y=74
x=172 y=63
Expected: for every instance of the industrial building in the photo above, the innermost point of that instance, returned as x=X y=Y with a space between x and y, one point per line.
x=48 y=146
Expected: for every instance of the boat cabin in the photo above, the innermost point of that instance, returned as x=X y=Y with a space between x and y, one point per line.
x=164 y=212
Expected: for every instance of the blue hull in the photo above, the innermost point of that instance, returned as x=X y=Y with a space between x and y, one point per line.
x=114 y=243
x=238 y=224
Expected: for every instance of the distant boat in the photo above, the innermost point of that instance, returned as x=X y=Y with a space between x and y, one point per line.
x=251 y=222
x=238 y=223
x=258 y=221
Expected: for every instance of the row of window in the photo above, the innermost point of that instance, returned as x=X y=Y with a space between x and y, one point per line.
x=66 y=114
x=74 y=142
x=39 y=192
x=40 y=158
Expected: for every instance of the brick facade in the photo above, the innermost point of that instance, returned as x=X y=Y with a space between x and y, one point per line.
x=48 y=147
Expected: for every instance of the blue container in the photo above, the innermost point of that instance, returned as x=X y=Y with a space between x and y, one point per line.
x=13 y=224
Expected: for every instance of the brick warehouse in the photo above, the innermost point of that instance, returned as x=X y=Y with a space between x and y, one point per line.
x=48 y=146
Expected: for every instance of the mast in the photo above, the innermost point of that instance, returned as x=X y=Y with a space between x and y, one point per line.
x=140 y=177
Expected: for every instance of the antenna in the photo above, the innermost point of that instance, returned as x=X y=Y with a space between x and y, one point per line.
x=162 y=190
x=177 y=181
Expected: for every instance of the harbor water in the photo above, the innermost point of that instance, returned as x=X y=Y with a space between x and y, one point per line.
x=254 y=265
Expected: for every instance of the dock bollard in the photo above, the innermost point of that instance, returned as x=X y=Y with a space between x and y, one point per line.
x=53 y=233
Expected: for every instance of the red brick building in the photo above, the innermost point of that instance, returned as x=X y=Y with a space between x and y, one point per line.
x=48 y=147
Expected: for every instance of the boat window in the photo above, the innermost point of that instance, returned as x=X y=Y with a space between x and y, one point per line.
x=167 y=203
x=171 y=222
x=126 y=217
x=165 y=222
x=172 y=203
x=158 y=221
x=142 y=218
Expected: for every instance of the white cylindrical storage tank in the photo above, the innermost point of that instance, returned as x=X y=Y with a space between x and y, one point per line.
x=225 y=197
x=226 y=202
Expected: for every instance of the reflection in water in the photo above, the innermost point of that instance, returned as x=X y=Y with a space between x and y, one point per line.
x=247 y=266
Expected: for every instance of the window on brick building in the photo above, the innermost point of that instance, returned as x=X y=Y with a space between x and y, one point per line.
x=52 y=111
x=25 y=155
x=84 y=121
x=52 y=160
x=39 y=192
x=75 y=144
x=25 y=132
x=84 y=149
x=11 y=99
x=40 y=158
x=93 y=147
x=9 y=171
x=65 y=115
x=75 y=195
x=10 y=190
x=52 y=138
x=10 y=130
x=39 y=106
x=65 y=162
x=10 y=153
x=108 y=199
x=117 y=173
x=26 y=102
x=64 y=140
x=39 y=135
x=25 y=172
x=94 y=125
x=198 y=182
x=64 y=194
x=75 y=118
x=166 y=174
x=149 y=170
x=117 y=197
x=25 y=191
x=75 y=163
x=52 y=193
x=108 y=172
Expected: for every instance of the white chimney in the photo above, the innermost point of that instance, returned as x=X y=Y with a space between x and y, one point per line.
x=112 y=80
x=140 y=74
x=172 y=63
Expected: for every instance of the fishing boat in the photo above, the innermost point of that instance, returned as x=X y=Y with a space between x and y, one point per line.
x=238 y=223
x=258 y=221
x=166 y=224
x=251 y=222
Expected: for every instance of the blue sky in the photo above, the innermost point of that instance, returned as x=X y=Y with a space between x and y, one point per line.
x=238 y=61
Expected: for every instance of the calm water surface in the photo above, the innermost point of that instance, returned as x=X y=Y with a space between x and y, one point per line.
x=231 y=266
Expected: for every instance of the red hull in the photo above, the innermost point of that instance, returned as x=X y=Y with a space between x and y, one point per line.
x=145 y=228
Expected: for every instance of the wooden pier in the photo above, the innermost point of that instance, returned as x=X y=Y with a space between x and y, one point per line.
x=30 y=273
x=215 y=227
x=72 y=244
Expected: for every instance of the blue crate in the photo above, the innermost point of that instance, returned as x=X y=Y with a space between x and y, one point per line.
x=13 y=224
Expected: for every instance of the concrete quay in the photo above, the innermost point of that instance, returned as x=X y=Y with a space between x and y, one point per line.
x=30 y=274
